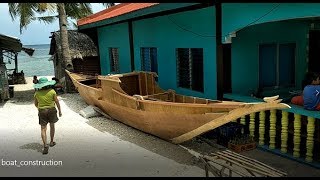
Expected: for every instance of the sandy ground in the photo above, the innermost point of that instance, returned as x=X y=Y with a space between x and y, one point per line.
x=83 y=149
x=99 y=146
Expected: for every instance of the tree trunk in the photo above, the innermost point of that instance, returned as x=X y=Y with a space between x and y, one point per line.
x=66 y=58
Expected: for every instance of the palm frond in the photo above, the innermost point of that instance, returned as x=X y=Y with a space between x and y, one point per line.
x=26 y=12
x=46 y=19
x=42 y=7
x=72 y=25
x=78 y=10
x=13 y=10
x=107 y=5
x=47 y=7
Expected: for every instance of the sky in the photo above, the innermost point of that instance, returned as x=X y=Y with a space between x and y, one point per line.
x=36 y=32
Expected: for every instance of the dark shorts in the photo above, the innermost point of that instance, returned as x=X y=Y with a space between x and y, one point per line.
x=48 y=115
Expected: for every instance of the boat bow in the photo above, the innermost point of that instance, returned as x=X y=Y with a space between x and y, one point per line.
x=247 y=108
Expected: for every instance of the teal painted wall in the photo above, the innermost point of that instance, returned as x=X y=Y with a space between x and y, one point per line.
x=115 y=36
x=238 y=15
x=164 y=34
x=245 y=48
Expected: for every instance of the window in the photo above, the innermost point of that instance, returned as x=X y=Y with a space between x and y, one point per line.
x=114 y=60
x=149 y=60
x=277 y=65
x=190 y=68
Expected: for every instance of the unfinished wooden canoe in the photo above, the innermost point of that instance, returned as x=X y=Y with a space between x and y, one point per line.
x=136 y=100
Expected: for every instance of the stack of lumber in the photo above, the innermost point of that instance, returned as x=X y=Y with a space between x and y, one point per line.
x=228 y=163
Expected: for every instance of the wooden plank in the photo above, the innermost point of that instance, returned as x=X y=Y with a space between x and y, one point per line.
x=206 y=168
x=228 y=117
x=140 y=85
x=147 y=96
x=241 y=165
x=224 y=164
x=270 y=99
x=249 y=163
x=255 y=161
x=146 y=82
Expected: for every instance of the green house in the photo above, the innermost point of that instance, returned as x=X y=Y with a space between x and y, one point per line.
x=231 y=50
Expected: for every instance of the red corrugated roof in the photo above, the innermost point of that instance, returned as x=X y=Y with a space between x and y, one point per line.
x=114 y=11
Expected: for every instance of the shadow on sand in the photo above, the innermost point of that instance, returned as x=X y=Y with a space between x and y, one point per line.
x=33 y=146
x=20 y=98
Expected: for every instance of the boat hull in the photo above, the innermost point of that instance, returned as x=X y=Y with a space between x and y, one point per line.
x=172 y=117
x=89 y=94
x=161 y=124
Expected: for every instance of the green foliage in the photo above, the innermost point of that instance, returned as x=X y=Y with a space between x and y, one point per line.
x=27 y=12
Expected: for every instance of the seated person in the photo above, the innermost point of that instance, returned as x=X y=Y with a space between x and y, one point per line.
x=35 y=80
x=310 y=98
x=57 y=87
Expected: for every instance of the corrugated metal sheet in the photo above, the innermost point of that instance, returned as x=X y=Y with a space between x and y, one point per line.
x=114 y=11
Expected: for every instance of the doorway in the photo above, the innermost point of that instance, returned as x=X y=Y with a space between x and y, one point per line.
x=314 y=47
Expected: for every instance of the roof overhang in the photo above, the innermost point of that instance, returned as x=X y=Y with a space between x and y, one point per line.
x=10 y=43
x=139 y=14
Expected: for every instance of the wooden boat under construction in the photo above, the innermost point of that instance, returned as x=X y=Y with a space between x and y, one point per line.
x=136 y=99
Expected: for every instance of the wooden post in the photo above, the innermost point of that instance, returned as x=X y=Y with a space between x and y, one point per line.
x=262 y=117
x=296 y=135
x=146 y=83
x=173 y=95
x=140 y=84
x=272 y=131
x=16 y=62
x=284 y=131
x=310 y=142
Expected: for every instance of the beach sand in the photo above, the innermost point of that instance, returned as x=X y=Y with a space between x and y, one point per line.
x=99 y=146
x=84 y=147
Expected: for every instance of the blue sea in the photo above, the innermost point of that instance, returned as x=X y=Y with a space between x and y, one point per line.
x=38 y=64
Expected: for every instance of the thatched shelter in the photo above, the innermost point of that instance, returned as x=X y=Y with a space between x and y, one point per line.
x=9 y=49
x=83 y=51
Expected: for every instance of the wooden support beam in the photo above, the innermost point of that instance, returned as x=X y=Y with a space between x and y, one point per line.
x=146 y=82
x=16 y=62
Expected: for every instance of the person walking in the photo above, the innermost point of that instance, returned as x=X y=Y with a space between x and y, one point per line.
x=45 y=99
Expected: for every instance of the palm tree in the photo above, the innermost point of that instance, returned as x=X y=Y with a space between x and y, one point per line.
x=27 y=13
